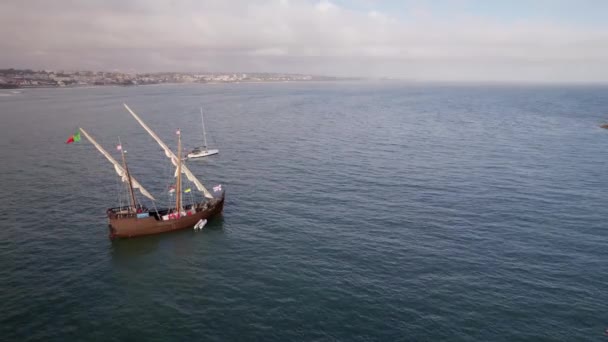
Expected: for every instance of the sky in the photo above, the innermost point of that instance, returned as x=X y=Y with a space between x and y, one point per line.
x=444 y=40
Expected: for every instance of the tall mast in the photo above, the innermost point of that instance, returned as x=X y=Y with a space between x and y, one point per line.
x=171 y=155
x=120 y=170
x=178 y=185
x=132 y=200
x=204 y=133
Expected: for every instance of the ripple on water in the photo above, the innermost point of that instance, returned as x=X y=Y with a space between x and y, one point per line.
x=354 y=211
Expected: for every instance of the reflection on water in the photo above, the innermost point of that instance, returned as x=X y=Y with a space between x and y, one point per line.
x=181 y=241
x=130 y=248
x=216 y=223
x=366 y=211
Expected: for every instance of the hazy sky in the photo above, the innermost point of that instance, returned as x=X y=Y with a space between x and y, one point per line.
x=517 y=40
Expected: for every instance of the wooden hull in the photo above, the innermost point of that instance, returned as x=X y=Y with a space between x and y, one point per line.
x=128 y=227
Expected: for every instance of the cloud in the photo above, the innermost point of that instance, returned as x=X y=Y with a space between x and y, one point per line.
x=295 y=36
x=325 y=6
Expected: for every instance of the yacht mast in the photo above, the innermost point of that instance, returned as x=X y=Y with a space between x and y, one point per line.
x=204 y=133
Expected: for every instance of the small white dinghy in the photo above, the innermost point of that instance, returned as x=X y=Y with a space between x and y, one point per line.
x=200 y=224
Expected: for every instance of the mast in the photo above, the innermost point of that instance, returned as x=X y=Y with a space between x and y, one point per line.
x=178 y=185
x=120 y=171
x=133 y=206
x=171 y=155
x=204 y=133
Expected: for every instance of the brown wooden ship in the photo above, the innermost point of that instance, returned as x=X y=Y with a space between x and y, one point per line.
x=138 y=220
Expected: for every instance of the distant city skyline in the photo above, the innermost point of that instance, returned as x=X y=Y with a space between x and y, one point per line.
x=15 y=78
x=450 y=40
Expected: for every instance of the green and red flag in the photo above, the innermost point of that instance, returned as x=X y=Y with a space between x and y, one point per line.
x=73 y=138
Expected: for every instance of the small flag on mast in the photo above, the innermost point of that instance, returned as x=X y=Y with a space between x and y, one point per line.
x=73 y=138
x=188 y=190
x=178 y=132
x=171 y=189
x=217 y=188
x=119 y=147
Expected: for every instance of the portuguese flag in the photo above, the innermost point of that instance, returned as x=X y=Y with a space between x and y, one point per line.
x=73 y=138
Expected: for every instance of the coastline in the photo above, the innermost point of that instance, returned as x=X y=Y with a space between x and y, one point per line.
x=27 y=78
x=85 y=86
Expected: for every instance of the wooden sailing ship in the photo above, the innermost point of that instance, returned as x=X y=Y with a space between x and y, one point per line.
x=137 y=220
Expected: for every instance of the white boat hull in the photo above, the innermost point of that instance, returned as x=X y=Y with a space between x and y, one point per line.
x=200 y=224
x=202 y=154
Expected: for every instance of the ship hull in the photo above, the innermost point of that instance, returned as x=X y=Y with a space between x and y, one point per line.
x=129 y=227
x=201 y=154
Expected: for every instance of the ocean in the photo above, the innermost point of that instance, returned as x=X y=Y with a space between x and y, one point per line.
x=355 y=211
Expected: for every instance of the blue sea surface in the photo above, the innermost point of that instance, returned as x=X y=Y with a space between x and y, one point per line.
x=355 y=211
